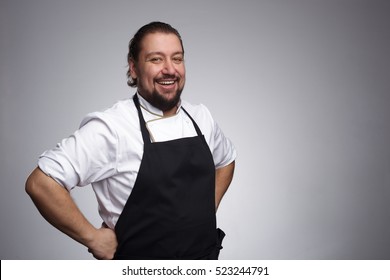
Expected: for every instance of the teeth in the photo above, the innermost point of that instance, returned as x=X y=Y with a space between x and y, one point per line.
x=166 y=82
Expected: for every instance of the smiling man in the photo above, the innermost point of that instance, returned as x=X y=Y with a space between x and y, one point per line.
x=159 y=165
x=159 y=70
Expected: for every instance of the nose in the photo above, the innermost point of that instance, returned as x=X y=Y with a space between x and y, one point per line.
x=169 y=68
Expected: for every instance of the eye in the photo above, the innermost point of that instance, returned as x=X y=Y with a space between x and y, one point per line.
x=178 y=59
x=155 y=59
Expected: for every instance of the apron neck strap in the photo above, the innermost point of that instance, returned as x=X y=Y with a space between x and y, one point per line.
x=144 y=131
x=195 y=125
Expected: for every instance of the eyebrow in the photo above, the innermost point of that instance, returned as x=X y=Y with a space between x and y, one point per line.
x=161 y=53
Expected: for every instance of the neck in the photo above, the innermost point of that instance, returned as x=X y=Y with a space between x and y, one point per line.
x=167 y=108
x=170 y=112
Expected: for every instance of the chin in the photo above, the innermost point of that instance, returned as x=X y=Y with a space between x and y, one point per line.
x=163 y=103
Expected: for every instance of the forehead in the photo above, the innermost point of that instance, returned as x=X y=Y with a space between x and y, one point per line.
x=166 y=43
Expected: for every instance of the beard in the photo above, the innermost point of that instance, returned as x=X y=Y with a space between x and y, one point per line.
x=158 y=99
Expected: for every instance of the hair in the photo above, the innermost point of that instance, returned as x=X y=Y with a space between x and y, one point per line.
x=135 y=43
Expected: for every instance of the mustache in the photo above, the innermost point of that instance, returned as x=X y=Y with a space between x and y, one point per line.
x=168 y=77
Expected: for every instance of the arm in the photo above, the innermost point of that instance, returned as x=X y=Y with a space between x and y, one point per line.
x=223 y=178
x=58 y=208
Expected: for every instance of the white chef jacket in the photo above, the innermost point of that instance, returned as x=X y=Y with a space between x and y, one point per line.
x=106 y=151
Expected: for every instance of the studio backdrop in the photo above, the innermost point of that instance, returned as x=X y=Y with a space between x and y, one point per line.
x=301 y=87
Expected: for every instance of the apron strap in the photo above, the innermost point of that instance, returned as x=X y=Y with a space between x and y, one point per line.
x=195 y=125
x=144 y=130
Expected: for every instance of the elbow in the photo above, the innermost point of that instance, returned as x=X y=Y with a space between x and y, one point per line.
x=30 y=184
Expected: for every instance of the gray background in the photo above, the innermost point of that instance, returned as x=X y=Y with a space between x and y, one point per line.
x=301 y=87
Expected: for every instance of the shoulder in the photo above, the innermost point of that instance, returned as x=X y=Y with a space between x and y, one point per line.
x=120 y=113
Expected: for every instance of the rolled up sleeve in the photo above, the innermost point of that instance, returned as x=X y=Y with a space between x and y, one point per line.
x=87 y=156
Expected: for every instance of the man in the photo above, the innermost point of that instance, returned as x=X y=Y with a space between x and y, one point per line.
x=159 y=166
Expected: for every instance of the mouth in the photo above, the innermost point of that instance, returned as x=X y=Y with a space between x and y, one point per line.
x=166 y=82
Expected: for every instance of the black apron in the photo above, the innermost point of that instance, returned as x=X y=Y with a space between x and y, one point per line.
x=170 y=213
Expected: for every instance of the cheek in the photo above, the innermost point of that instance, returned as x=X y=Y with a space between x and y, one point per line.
x=183 y=76
x=148 y=76
x=152 y=72
x=182 y=71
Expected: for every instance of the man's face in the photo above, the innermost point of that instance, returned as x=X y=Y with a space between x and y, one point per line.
x=160 y=70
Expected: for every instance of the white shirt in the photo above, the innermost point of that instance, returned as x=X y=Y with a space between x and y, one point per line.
x=106 y=151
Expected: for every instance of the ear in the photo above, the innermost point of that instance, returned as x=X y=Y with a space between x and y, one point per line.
x=133 y=69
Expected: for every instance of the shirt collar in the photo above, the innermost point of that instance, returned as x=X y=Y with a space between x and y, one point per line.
x=151 y=109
